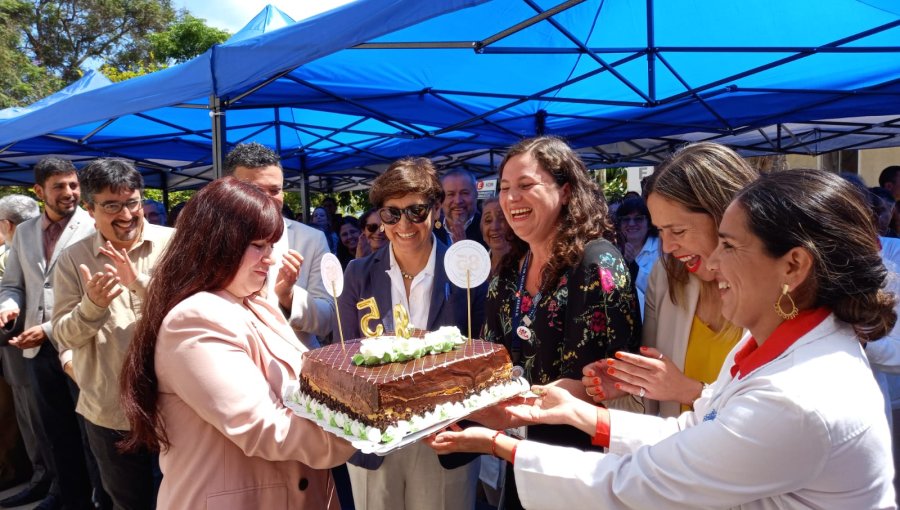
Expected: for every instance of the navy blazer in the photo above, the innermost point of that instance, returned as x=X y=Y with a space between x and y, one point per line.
x=367 y=277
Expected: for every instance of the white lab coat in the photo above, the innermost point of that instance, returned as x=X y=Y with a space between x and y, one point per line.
x=806 y=430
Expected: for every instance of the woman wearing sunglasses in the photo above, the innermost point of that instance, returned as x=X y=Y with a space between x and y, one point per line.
x=408 y=270
x=372 y=236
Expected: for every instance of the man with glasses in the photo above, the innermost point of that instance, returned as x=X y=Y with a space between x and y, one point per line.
x=101 y=283
x=27 y=289
x=295 y=281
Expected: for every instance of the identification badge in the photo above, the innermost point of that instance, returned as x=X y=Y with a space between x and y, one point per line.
x=523 y=332
x=526 y=320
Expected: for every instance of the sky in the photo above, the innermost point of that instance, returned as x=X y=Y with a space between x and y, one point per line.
x=232 y=15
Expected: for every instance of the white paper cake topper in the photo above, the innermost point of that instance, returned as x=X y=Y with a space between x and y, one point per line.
x=467 y=255
x=332 y=274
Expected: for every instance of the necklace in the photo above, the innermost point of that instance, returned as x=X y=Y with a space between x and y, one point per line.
x=523 y=321
x=406 y=276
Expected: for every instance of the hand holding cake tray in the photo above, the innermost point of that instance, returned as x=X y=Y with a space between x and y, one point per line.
x=385 y=392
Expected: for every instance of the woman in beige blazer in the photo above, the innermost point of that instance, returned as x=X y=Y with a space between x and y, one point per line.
x=205 y=373
x=687 y=198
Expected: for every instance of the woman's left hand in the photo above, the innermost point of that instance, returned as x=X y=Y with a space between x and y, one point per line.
x=472 y=439
x=552 y=406
x=497 y=417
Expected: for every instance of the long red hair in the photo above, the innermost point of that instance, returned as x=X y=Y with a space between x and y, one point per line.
x=214 y=229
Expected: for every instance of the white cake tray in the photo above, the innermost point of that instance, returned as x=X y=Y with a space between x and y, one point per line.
x=521 y=387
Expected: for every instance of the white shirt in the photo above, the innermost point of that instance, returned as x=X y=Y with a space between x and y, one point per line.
x=645 y=260
x=419 y=303
x=805 y=430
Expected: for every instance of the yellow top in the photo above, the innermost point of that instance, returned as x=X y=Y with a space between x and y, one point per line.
x=706 y=352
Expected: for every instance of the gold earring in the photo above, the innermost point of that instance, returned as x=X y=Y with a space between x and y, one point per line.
x=780 y=310
x=381 y=227
x=438 y=224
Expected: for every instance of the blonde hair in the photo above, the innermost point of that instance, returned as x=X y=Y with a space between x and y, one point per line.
x=703 y=178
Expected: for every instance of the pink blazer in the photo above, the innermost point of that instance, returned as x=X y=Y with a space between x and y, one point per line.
x=233 y=444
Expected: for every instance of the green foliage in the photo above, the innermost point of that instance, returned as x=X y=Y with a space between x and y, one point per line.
x=175 y=197
x=21 y=81
x=352 y=203
x=185 y=39
x=615 y=183
x=62 y=35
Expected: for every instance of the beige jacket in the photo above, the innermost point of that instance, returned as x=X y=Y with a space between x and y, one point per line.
x=667 y=327
x=222 y=364
x=99 y=336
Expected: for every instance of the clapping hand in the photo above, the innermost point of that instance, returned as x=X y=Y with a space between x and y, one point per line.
x=101 y=287
x=287 y=278
x=125 y=268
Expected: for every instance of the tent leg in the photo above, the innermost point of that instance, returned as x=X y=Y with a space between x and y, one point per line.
x=217 y=114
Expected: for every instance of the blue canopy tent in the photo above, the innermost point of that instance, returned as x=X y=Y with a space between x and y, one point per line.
x=343 y=94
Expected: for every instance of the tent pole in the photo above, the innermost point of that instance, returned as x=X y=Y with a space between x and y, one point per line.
x=304 y=189
x=165 y=189
x=217 y=114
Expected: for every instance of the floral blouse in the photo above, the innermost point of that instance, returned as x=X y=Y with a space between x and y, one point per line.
x=590 y=314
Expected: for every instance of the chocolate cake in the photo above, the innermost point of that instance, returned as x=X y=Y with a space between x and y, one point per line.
x=381 y=395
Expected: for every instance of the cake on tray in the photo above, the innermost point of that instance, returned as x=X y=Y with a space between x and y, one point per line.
x=390 y=386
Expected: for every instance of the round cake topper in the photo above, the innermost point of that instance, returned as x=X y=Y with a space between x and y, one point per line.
x=332 y=274
x=467 y=255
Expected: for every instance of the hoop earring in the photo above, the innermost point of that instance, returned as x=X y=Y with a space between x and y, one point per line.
x=780 y=310
x=438 y=224
x=381 y=227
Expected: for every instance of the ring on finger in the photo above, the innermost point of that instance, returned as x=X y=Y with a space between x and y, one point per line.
x=660 y=356
x=642 y=393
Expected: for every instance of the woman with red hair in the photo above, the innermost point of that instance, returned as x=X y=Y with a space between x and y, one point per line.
x=205 y=373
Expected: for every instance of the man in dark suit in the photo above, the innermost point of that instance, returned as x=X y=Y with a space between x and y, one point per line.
x=462 y=220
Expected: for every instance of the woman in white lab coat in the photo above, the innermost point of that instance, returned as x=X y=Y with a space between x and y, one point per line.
x=794 y=419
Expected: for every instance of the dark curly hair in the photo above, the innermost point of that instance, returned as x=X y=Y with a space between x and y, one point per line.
x=250 y=155
x=829 y=217
x=584 y=219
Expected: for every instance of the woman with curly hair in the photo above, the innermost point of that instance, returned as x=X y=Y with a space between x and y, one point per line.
x=563 y=297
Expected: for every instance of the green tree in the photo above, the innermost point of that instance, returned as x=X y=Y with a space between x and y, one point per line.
x=21 y=81
x=187 y=38
x=63 y=35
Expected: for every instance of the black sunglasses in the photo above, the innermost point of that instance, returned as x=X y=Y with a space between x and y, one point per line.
x=415 y=213
x=371 y=227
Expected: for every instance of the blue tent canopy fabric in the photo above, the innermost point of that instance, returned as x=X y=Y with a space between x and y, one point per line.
x=342 y=94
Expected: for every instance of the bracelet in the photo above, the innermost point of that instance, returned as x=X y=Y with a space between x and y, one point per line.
x=494 y=442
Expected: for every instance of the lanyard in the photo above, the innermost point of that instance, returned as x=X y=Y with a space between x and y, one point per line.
x=522 y=323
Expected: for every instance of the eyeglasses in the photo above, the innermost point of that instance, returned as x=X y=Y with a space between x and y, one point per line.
x=114 y=207
x=632 y=219
x=415 y=213
x=371 y=227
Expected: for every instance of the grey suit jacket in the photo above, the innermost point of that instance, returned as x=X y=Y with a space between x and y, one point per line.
x=312 y=309
x=27 y=283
